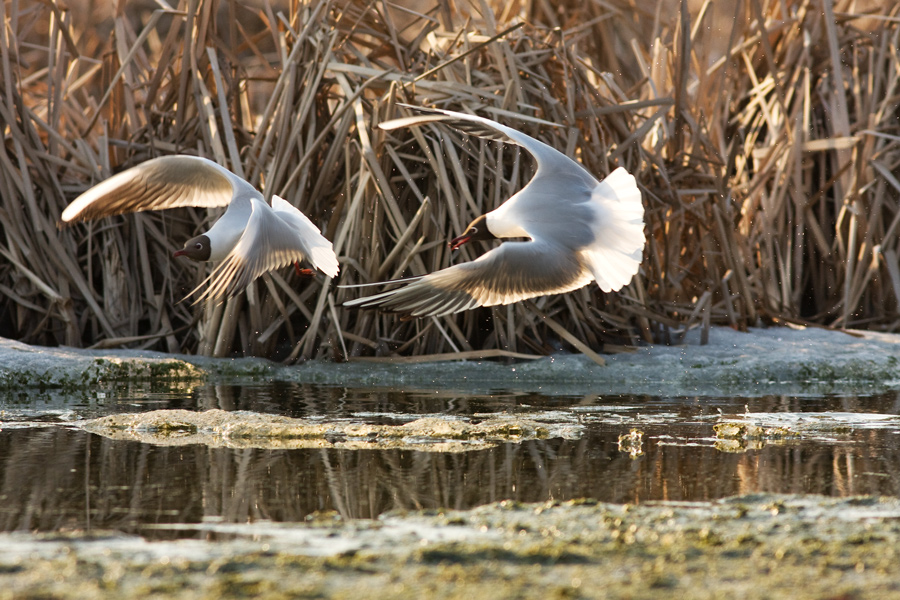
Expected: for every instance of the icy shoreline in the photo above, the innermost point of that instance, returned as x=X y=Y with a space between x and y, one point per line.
x=761 y=361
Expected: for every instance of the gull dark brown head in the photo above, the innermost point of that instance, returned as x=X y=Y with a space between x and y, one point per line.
x=477 y=230
x=196 y=248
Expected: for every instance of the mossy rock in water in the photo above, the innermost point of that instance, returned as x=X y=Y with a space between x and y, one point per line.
x=106 y=369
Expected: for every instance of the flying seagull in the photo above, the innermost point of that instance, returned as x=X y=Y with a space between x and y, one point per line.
x=579 y=230
x=250 y=238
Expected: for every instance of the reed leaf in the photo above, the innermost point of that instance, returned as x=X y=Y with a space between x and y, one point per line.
x=764 y=136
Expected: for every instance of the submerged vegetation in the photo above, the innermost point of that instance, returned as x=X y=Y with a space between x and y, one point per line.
x=766 y=149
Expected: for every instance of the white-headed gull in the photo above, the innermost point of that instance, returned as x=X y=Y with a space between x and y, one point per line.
x=579 y=230
x=250 y=238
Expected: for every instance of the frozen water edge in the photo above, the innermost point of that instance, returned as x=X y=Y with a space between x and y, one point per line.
x=759 y=362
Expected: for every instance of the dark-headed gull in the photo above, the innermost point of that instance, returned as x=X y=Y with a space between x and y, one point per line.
x=250 y=238
x=579 y=230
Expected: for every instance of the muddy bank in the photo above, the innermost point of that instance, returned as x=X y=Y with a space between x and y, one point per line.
x=752 y=546
x=761 y=361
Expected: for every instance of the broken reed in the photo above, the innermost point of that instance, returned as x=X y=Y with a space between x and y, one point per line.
x=768 y=164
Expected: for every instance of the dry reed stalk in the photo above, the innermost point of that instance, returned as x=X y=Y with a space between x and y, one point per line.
x=769 y=164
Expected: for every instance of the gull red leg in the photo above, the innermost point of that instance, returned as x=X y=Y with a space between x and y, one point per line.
x=303 y=272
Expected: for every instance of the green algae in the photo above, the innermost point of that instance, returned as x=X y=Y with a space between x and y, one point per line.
x=241 y=429
x=755 y=546
x=100 y=372
x=748 y=431
x=632 y=443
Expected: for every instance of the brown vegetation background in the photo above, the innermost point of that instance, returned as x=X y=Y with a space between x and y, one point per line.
x=764 y=137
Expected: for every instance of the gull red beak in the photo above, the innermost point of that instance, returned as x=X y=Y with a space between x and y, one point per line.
x=181 y=252
x=456 y=242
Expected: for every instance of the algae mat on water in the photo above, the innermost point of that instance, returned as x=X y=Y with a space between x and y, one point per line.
x=759 y=546
x=242 y=429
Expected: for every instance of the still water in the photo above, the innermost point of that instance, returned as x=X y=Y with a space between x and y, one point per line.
x=56 y=477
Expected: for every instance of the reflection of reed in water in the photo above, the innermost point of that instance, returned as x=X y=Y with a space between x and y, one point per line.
x=53 y=479
x=302 y=400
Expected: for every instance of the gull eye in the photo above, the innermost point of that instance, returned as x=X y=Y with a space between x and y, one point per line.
x=198 y=246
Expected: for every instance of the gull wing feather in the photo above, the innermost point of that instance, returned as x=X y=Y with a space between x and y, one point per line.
x=511 y=272
x=555 y=204
x=318 y=250
x=159 y=183
x=550 y=160
x=268 y=242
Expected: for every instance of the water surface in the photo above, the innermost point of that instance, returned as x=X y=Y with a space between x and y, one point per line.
x=56 y=477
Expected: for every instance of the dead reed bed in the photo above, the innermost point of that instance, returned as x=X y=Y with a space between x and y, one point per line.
x=764 y=137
